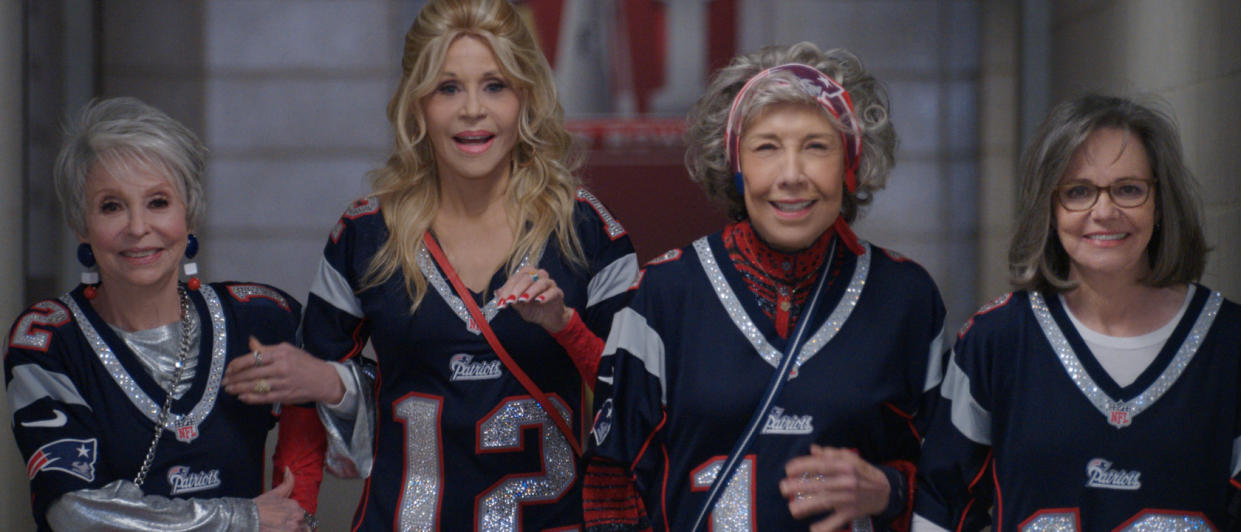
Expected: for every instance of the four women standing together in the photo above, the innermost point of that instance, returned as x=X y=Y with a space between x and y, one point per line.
x=777 y=375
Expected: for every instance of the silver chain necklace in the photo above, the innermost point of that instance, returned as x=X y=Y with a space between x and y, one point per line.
x=166 y=410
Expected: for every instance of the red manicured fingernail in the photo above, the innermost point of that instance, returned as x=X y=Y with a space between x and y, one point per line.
x=524 y=298
x=540 y=299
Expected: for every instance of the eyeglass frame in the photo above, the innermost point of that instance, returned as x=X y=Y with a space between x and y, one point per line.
x=1099 y=189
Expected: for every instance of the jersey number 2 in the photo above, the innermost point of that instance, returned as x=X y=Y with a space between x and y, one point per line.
x=499 y=507
x=1069 y=520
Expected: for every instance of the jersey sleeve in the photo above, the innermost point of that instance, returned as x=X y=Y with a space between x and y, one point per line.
x=907 y=421
x=630 y=403
x=54 y=425
x=336 y=329
x=334 y=326
x=611 y=261
x=273 y=316
x=954 y=486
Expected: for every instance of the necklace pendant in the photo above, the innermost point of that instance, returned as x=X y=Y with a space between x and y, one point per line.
x=187 y=433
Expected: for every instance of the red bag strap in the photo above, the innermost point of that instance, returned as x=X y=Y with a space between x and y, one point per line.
x=481 y=322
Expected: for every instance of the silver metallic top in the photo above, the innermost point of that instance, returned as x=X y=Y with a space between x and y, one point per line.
x=156 y=349
x=349 y=425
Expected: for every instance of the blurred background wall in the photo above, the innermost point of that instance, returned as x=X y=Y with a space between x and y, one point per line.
x=289 y=96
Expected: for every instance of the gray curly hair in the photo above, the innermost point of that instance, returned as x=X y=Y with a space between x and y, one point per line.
x=706 y=157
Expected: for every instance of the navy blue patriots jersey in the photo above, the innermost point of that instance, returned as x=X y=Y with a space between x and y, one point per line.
x=459 y=444
x=1032 y=423
x=84 y=409
x=690 y=357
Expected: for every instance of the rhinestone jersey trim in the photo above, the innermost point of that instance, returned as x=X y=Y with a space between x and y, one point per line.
x=144 y=403
x=427 y=264
x=746 y=325
x=1121 y=413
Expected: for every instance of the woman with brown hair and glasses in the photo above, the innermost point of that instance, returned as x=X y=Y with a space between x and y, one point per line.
x=1102 y=395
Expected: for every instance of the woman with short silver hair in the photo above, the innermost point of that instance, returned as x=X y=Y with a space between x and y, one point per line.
x=1109 y=341
x=115 y=387
x=834 y=339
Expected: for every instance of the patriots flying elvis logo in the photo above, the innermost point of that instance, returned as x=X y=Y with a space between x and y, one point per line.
x=75 y=457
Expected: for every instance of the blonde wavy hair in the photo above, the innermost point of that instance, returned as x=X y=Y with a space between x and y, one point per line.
x=542 y=188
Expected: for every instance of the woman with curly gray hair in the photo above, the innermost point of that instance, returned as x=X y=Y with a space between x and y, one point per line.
x=834 y=340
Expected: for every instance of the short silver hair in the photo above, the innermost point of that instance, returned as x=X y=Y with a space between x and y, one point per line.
x=118 y=132
x=1177 y=250
x=706 y=154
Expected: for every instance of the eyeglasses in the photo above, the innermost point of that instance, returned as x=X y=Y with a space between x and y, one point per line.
x=1125 y=193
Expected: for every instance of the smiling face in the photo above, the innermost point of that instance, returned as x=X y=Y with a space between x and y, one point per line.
x=135 y=225
x=1107 y=239
x=793 y=163
x=471 y=116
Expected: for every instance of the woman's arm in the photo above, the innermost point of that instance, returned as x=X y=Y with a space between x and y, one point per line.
x=121 y=505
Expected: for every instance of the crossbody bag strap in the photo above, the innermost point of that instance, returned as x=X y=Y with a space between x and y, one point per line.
x=477 y=315
x=768 y=400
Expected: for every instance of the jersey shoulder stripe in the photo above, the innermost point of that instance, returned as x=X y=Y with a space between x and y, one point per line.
x=611 y=225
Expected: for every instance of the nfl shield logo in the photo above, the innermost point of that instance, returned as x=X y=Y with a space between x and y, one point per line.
x=187 y=433
x=1118 y=418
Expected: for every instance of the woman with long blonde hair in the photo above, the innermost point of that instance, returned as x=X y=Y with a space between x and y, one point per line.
x=476 y=212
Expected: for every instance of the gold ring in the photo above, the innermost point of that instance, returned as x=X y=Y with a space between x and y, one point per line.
x=258 y=358
x=261 y=386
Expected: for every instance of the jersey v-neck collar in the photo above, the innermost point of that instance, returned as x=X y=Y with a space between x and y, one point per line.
x=1121 y=404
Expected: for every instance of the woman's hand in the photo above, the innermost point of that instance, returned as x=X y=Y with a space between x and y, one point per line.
x=837 y=481
x=535 y=296
x=277 y=512
x=282 y=374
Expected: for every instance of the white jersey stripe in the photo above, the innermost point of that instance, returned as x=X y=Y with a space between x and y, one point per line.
x=329 y=285
x=1236 y=456
x=31 y=383
x=631 y=333
x=968 y=416
x=935 y=363
x=613 y=279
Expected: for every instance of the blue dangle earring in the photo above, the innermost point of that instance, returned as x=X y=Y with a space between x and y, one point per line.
x=191 y=267
x=90 y=276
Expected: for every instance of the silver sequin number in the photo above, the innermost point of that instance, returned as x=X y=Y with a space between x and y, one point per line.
x=44 y=313
x=1144 y=521
x=498 y=508
x=734 y=510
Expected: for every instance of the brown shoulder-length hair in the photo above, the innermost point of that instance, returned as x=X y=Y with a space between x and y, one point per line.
x=542 y=189
x=1177 y=250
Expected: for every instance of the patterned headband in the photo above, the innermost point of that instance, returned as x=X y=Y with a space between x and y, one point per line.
x=830 y=94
